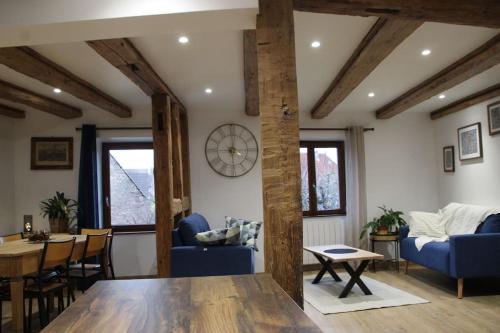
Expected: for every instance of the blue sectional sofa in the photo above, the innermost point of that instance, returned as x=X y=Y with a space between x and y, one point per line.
x=189 y=258
x=462 y=257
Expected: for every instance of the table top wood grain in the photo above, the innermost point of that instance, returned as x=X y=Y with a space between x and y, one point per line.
x=239 y=303
x=23 y=246
x=334 y=257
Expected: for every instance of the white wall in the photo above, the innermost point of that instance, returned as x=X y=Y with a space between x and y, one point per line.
x=7 y=187
x=474 y=181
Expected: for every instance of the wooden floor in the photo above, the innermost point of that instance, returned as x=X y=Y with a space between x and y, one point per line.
x=478 y=311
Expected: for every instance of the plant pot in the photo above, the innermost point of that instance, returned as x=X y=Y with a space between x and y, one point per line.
x=58 y=226
x=382 y=230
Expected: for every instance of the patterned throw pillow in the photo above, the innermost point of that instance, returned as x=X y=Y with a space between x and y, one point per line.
x=227 y=236
x=249 y=230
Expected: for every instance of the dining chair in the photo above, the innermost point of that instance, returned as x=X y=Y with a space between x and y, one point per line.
x=95 y=246
x=10 y=238
x=109 y=249
x=55 y=258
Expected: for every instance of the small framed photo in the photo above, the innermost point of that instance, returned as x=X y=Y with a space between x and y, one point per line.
x=449 y=159
x=494 y=118
x=51 y=153
x=470 y=143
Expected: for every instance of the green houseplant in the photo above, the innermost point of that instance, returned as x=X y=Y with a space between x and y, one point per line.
x=384 y=224
x=61 y=212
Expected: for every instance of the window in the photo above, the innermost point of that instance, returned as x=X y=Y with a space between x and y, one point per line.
x=128 y=186
x=323 y=178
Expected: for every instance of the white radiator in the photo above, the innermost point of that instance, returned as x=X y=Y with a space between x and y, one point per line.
x=322 y=231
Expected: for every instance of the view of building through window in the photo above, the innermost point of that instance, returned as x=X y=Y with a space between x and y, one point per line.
x=327 y=178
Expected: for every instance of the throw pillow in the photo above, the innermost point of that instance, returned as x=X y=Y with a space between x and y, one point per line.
x=426 y=224
x=490 y=225
x=249 y=230
x=226 y=236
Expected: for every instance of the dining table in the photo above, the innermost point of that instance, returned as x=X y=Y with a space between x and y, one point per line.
x=21 y=257
x=213 y=304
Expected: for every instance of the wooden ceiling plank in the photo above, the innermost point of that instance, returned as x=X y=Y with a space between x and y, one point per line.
x=482 y=13
x=10 y=112
x=251 y=73
x=122 y=54
x=476 y=98
x=474 y=63
x=384 y=36
x=31 y=63
x=16 y=94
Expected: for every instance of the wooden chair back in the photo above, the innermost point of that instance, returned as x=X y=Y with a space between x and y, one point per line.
x=84 y=231
x=56 y=254
x=95 y=245
x=10 y=238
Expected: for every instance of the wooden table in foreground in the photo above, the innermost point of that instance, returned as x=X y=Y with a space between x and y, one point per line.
x=343 y=258
x=19 y=258
x=238 y=303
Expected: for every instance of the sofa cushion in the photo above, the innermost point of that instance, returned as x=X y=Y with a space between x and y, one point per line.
x=464 y=219
x=176 y=238
x=426 y=224
x=249 y=230
x=226 y=236
x=434 y=255
x=490 y=225
x=190 y=226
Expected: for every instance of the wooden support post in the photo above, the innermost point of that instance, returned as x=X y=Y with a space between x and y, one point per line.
x=250 y=73
x=162 y=144
x=186 y=175
x=460 y=288
x=278 y=104
x=177 y=153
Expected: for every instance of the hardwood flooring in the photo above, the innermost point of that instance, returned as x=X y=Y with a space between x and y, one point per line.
x=478 y=311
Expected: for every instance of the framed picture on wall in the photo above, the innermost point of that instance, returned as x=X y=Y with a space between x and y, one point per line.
x=470 y=143
x=51 y=153
x=494 y=118
x=449 y=159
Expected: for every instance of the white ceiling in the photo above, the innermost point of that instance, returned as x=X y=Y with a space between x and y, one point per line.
x=215 y=59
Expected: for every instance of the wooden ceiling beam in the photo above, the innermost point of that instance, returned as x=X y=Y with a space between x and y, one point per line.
x=7 y=111
x=31 y=63
x=482 y=13
x=474 y=63
x=122 y=54
x=251 y=73
x=384 y=36
x=16 y=94
x=480 y=96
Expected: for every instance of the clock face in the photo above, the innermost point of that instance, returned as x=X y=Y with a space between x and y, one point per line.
x=231 y=150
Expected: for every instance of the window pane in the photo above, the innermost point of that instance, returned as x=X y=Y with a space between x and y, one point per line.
x=327 y=178
x=304 y=179
x=132 y=196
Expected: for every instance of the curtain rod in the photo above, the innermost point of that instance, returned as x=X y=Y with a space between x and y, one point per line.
x=333 y=129
x=117 y=128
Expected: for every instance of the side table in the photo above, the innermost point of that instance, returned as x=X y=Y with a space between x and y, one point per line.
x=386 y=238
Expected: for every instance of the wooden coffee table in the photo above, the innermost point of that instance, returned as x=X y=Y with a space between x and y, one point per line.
x=326 y=259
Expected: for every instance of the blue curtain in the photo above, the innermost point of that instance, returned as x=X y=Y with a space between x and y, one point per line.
x=88 y=213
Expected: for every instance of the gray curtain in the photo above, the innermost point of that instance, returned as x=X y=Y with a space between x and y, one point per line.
x=356 y=187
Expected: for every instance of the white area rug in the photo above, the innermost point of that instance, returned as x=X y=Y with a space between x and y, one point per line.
x=324 y=296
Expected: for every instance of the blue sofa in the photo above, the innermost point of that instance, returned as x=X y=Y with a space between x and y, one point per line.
x=189 y=258
x=462 y=257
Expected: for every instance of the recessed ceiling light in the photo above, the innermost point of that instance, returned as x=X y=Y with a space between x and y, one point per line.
x=57 y=90
x=371 y=94
x=426 y=52
x=208 y=91
x=442 y=96
x=183 y=40
x=315 y=44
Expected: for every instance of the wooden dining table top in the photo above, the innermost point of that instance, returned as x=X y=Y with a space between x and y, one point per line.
x=239 y=303
x=24 y=246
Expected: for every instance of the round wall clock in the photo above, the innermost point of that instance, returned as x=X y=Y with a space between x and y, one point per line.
x=231 y=150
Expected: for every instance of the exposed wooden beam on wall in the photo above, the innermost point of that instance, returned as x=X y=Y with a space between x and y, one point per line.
x=385 y=35
x=162 y=144
x=31 y=63
x=251 y=73
x=186 y=167
x=278 y=104
x=476 y=62
x=177 y=154
x=483 y=13
x=480 y=96
x=10 y=112
x=13 y=93
x=122 y=54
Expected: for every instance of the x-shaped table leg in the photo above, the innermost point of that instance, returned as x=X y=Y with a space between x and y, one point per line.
x=355 y=278
x=326 y=267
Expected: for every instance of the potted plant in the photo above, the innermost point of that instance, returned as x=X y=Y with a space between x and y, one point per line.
x=385 y=224
x=61 y=212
